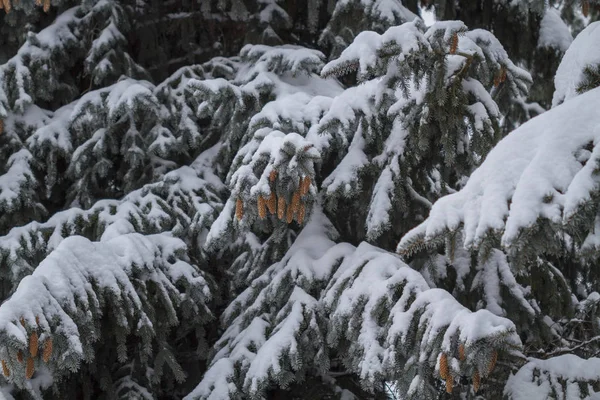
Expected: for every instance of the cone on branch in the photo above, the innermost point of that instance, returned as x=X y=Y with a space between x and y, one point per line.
x=449 y=384
x=454 y=43
x=239 y=209
x=5 y=369
x=273 y=175
x=305 y=186
x=501 y=77
x=33 y=344
x=20 y=356
x=461 y=352
x=444 y=370
x=262 y=207
x=289 y=217
x=30 y=368
x=1 y=126
x=46 y=6
x=476 y=381
x=301 y=213
x=6 y=5
x=295 y=201
x=492 y=361
x=281 y=208
x=272 y=203
x=585 y=8
x=47 y=353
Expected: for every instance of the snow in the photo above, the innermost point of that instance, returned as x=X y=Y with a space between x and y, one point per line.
x=581 y=53
x=554 y=33
x=509 y=191
x=544 y=379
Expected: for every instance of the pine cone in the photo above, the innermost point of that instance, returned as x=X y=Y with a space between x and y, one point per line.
x=239 y=209
x=5 y=369
x=33 y=344
x=37 y=320
x=281 y=208
x=301 y=214
x=7 y=5
x=295 y=201
x=1 y=124
x=47 y=350
x=454 y=44
x=476 y=381
x=262 y=207
x=501 y=77
x=20 y=356
x=272 y=203
x=30 y=368
x=449 y=384
x=289 y=217
x=305 y=186
x=492 y=362
x=46 y=6
x=22 y=320
x=273 y=175
x=444 y=370
x=585 y=7
x=461 y=352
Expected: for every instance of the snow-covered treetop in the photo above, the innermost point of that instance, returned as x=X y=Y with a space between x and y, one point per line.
x=545 y=170
x=349 y=17
x=554 y=33
x=579 y=66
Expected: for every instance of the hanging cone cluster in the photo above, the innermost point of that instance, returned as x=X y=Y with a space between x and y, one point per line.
x=7 y=6
x=34 y=351
x=278 y=205
x=462 y=356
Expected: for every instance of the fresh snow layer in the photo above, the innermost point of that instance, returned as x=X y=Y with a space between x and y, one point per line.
x=562 y=376
x=554 y=33
x=540 y=170
x=583 y=52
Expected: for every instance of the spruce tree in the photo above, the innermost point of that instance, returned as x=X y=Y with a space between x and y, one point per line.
x=202 y=199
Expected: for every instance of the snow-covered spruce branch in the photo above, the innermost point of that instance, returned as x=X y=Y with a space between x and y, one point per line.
x=384 y=321
x=185 y=201
x=53 y=322
x=556 y=377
